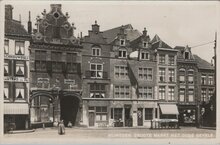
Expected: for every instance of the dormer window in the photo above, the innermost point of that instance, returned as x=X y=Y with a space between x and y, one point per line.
x=122 y=42
x=96 y=51
x=122 y=54
x=145 y=44
x=186 y=55
x=145 y=56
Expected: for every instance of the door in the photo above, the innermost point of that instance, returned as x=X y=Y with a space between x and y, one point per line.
x=91 y=119
x=140 y=116
x=128 y=120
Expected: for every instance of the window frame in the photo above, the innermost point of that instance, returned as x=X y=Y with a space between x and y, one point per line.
x=162 y=59
x=23 y=43
x=162 y=92
x=148 y=113
x=171 y=93
x=162 y=74
x=123 y=90
x=97 y=92
x=96 y=71
x=96 y=51
x=122 y=72
x=6 y=47
x=121 y=53
x=146 y=56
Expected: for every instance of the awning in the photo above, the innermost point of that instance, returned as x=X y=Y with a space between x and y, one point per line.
x=16 y=108
x=169 y=109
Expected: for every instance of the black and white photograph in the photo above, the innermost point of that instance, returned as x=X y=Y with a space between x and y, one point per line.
x=76 y=71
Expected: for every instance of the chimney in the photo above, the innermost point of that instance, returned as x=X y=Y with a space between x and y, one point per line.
x=55 y=7
x=95 y=27
x=8 y=12
x=145 y=32
x=29 y=24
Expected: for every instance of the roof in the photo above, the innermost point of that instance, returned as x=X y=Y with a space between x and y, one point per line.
x=202 y=64
x=13 y=27
x=158 y=43
x=111 y=34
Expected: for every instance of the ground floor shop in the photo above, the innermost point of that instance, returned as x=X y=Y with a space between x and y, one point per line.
x=188 y=115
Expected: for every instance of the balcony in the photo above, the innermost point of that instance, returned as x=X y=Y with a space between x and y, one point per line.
x=96 y=74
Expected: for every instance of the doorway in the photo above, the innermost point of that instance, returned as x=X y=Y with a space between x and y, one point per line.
x=140 y=116
x=69 y=107
x=91 y=118
x=128 y=118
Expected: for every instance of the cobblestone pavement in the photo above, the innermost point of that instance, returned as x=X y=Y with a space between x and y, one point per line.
x=183 y=132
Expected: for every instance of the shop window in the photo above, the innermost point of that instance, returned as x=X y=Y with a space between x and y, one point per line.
x=162 y=74
x=122 y=92
x=189 y=116
x=171 y=94
x=145 y=56
x=171 y=75
x=171 y=60
x=148 y=113
x=6 y=47
x=20 y=68
x=96 y=51
x=162 y=92
x=203 y=97
x=122 y=53
x=118 y=113
x=121 y=72
x=161 y=59
x=101 y=113
x=145 y=73
x=96 y=70
x=97 y=90
x=19 y=48
x=145 y=92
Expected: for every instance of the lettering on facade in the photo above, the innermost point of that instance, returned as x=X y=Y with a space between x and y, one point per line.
x=43 y=80
x=17 y=57
x=69 y=81
x=15 y=79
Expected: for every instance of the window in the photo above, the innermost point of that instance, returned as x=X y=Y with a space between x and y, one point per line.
x=71 y=57
x=162 y=92
x=191 y=95
x=182 y=95
x=122 y=92
x=118 y=113
x=97 y=90
x=96 y=70
x=203 y=80
x=19 y=48
x=145 y=44
x=190 y=79
x=186 y=55
x=210 y=93
x=171 y=60
x=210 y=80
x=121 y=72
x=19 y=91
x=20 y=68
x=57 y=66
x=122 y=42
x=40 y=65
x=182 y=79
x=203 y=95
x=72 y=67
x=171 y=75
x=162 y=74
x=6 y=47
x=101 y=114
x=146 y=92
x=56 y=56
x=96 y=51
x=122 y=54
x=6 y=66
x=162 y=59
x=145 y=56
x=171 y=94
x=145 y=74
x=148 y=113
x=6 y=92
x=40 y=55
x=190 y=76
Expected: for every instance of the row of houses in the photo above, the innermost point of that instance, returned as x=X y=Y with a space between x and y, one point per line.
x=117 y=75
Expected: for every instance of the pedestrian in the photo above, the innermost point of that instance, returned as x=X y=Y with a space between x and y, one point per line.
x=69 y=124
x=61 y=128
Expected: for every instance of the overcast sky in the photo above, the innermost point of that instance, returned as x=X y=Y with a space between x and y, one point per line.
x=177 y=23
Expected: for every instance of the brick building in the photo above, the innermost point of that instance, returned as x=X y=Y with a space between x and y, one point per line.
x=187 y=81
x=16 y=73
x=55 y=70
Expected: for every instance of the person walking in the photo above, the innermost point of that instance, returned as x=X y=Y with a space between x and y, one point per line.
x=61 y=128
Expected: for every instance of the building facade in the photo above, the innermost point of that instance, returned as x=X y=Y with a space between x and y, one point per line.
x=55 y=70
x=16 y=73
x=187 y=77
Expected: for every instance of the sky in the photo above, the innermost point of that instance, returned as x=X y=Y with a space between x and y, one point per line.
x=176 y=23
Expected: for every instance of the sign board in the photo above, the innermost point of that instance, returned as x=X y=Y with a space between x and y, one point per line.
x=15 y=79
x=17 y=57
x=69 y=81
x=43 y=80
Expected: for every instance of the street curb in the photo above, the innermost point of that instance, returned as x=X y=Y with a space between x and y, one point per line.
x=21 y=131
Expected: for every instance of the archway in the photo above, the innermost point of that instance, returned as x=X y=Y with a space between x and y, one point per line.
x=69 y=107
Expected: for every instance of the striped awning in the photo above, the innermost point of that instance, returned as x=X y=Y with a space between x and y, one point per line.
x=169 y=109
x=16 y=108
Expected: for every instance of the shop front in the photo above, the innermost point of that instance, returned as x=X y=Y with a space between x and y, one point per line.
x=188 y=115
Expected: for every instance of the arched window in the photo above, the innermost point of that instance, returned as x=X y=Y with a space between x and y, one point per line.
x=96 y=51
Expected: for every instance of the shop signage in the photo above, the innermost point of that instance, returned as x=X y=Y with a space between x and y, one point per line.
x=69 y=81
x=15 y=79
x=17 y=57
x=43 y=80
